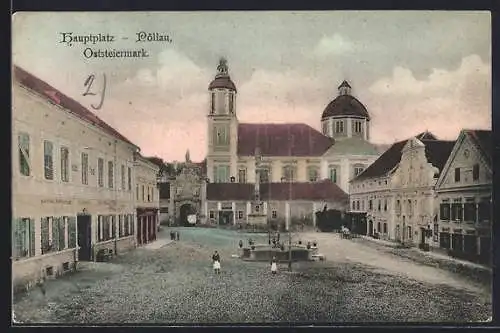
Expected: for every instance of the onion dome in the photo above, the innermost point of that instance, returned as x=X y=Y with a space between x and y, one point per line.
x=345 y=104
x=222 y=79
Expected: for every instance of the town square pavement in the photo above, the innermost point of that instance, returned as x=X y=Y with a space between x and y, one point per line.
x=174 y=283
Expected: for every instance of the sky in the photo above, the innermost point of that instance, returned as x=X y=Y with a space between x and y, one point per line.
x=414 y=71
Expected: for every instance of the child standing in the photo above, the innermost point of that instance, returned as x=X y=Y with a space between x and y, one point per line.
x=274 y=266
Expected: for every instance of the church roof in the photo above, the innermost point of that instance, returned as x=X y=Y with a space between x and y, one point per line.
x=345 y=105
x=224 y=82
x=281 y=140
x=353 y=146
x=42 y=88
x=436 y=151
x=321 y=191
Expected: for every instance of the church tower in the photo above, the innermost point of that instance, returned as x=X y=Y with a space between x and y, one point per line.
x=222 y=127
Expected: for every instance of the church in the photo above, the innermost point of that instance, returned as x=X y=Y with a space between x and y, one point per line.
x=285 y=172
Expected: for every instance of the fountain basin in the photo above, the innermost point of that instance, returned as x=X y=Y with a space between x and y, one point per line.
x=266 y=253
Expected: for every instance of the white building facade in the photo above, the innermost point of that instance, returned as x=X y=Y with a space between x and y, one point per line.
x=72 y=181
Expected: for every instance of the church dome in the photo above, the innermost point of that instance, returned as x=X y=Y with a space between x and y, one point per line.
x=345 y=105
x=222 y=79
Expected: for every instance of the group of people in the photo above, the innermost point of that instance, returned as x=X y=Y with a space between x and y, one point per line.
x=174 y=235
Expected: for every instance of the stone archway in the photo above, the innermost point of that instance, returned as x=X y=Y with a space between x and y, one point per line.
x=185 y=210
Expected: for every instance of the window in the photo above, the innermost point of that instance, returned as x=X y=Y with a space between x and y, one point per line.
x=71 y=225
x=110 y=174
x=129 y=176
x=357 y=170
x=64 y=164
x=264 y=174
x=100 y=172
x=378 y=227
x=353 y=205
x=24 y=154
x=231 y=102
x=126 y=225
x=357 y=205
x=470 y=211
x=444 y=211
x=356 y=126
x=53 y=233
x=112 y=220
x=211 y=215
x=240 y=214
x=221 y=173
x=242 y=175
x=333 y=175
x=385 y=204
x=143 y=193
x=475 y=172
x=289 y=172
x=212 y=106
x=48 y=160
x=484 y=209
x=274 y=214
x=379 y=205
x=410 y=234
x=85 y=168
x=23 y=242
x=456 y=211
x=137 y=192
x=385 y=228
x=313 y=173
x=362 y=205
x=457 y=175
x=122 y=174
x=370 y=205
x=106 y=228
x=444 y=240
x=150 y=194
x=339 y=126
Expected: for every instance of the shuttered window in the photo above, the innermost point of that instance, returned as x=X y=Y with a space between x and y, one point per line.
x=23 y=238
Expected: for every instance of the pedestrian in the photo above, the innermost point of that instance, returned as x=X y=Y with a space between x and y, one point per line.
x=240 y=243
x=172 y=235
x=308 y=245
x=274 y=266
x=216 y=262
x=177 y=234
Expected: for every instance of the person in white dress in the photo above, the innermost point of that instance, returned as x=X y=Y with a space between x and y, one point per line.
x=216 y=262
x=274 y=266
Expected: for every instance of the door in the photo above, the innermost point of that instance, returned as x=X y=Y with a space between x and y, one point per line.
x=139 y=230
x=84 y=223
x=144 y=223
x=422 y=236
x=370 y=228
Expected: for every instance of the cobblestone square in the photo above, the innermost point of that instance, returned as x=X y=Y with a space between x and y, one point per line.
x=172 y=284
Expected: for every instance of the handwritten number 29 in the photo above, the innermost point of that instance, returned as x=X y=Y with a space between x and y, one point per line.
x=88 y=83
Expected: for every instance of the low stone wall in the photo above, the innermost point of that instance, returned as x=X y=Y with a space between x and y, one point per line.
x=27 y=272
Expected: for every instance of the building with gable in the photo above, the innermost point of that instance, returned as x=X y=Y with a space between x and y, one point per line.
x=299 y=168
x=396 y=192
x=464 y=196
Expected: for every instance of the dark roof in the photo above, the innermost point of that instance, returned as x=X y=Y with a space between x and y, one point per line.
x=426 y=136
x=483 y=139
x=229 y=191
x=164 y=190
x=30 y=81
x=325 y=190
x=345 y=84
x=281 y=140
x=222 y=82
x=345 y=105
x=385 y=163
x=437 y=152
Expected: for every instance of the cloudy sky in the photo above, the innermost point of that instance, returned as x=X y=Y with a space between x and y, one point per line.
x=413 y=70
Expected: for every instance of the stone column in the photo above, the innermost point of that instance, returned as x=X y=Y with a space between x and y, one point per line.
x=233 y=207
x=287 y=215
